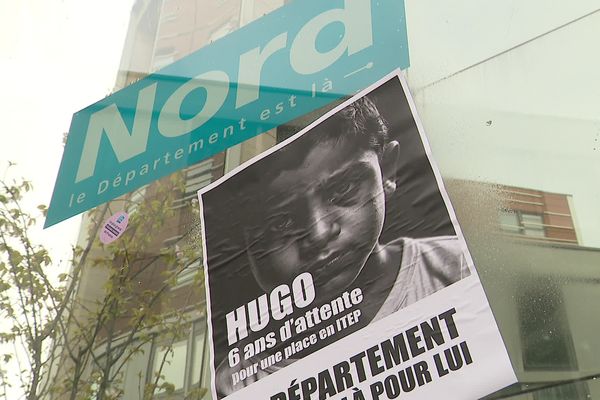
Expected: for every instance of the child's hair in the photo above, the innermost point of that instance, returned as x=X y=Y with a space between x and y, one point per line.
x=359 y=120
x=363 y=120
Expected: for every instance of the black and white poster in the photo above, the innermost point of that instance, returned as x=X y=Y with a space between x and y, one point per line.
x=336 y=268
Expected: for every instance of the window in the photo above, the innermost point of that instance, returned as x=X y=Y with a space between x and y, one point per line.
x=172 y=241
x=168 y=362
x=546 y=339
x=223 y=30
x=180 y=364
x=537 y=214
x=164 y=56
x=522 y=223
x=198 y=353
x=135 y=199
x=187 y=274
x=568 y=391
x=196 y=177
x=162 y=61
x=165 y=51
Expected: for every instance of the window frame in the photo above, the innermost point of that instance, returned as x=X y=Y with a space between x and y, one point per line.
x=196 y=328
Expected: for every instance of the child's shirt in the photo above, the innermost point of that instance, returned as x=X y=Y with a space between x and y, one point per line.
x=428 y=265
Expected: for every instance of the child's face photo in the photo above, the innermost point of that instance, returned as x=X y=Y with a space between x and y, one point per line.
x=323 y=217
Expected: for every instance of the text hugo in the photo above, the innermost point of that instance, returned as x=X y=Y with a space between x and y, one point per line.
x=279 y=304
x=304 y=58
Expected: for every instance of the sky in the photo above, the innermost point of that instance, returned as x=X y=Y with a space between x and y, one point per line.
x=56 y=57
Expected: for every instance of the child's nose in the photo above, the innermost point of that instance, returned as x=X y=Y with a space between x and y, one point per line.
x=322 y=228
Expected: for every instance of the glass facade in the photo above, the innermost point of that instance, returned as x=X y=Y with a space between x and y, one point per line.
x=513 y=132
x=509 y=95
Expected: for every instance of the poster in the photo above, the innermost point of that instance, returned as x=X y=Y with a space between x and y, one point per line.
x=336 y=268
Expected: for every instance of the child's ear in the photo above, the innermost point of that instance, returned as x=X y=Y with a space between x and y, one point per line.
x=389 y=163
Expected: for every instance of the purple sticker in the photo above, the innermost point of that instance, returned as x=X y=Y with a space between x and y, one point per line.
x=114 y=227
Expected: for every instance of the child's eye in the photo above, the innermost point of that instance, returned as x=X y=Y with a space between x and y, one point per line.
x=281 y=223
x=341 y=193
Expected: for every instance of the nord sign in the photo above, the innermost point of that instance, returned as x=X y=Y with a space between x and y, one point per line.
x=284 y=65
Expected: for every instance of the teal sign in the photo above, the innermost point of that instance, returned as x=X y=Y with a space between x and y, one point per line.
x=286 y=64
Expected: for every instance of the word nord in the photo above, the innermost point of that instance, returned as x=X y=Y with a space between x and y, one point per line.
x=304 y=59
x=288 y=63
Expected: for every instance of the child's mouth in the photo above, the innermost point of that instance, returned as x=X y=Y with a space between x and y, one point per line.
x=321 y=269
